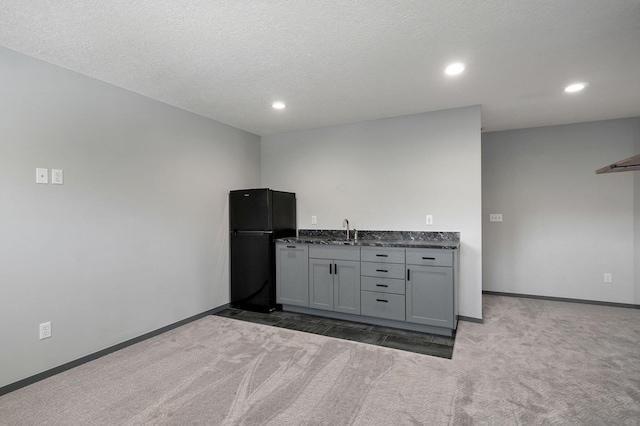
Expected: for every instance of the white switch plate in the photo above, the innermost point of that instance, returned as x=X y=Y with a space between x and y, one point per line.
x=607 y=278
x=42 y=175
x=495 y=217
x=56 y=177
x=429 y=219
x=314 y=220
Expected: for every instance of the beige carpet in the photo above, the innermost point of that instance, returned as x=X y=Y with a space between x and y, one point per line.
x=531 y=362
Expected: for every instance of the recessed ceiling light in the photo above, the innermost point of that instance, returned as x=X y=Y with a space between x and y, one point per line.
x=278 y=105
x=454 y=69
x=575 y=87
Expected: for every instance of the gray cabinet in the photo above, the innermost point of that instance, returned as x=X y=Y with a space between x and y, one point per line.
x=334 y=279
x=383 y=305
x=383 y=283
x=430 y=294
x=321 y=284
x=292 y=274
x=411 y=288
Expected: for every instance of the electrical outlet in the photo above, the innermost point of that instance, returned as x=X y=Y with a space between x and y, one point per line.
x=607 y=278
x=495 y=217
x=56 y=177
x=314 y=220
x=429 y=219
x=42 y=175
x=45 y=330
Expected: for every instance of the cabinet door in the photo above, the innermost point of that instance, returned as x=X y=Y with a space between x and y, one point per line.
x=430 y=296
x=321 y=284
x=346 y=287
x=292 y=274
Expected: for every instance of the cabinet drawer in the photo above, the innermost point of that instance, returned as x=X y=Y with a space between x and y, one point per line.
x=318 y=251
x=382 y=305
x=383 y=285
x=383 y=270
x=429 y=257
x=382 y=254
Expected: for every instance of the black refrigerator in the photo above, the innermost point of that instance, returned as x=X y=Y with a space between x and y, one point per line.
x=256 y=218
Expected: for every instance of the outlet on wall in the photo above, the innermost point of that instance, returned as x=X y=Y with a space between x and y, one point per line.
x=607 y=278
x=45 y=330
x=314 y=220
x=56 y=177
x=429 y=219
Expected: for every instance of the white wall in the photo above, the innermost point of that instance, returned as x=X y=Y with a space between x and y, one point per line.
x=387 y=175
x=564 y=226
x=134 y=240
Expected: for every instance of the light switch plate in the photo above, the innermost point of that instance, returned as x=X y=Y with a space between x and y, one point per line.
x=429 y=219
x=42 y=175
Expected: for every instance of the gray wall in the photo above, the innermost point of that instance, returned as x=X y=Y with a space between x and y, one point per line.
x=134 y=240
x=564 y=226
x=388 y=174
x=636 y=186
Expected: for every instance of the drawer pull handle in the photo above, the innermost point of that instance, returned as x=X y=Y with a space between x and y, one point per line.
x=382 y=255
x=381 y=285
x=382 y=300
x=429 y=258
x=382 y=270
x=408 y=274
x=291 y=246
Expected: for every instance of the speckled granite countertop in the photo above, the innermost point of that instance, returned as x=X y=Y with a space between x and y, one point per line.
x=407 y=239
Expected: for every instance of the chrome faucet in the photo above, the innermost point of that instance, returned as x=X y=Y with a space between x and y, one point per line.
x=346 y=223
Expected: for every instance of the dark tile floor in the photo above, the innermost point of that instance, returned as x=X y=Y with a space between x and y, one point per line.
x=411 y=341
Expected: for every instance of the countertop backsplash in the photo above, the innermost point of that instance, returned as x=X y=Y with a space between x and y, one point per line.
x=382 y=235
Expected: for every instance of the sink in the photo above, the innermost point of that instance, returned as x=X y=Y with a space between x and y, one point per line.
x=340 y=241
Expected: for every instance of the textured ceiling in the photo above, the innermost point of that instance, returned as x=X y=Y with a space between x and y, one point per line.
x=336 y=62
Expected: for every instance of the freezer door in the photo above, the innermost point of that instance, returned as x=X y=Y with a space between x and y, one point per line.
x=252 y=271
x=250 y=210
x=284 y=213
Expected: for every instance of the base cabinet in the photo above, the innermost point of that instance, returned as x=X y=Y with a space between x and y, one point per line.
x=334 y=279
x=383 y=305
x=334 y=285
x=292 y=274
x=430 y=296
x=411 y=288
x=321 y=284
x=346 y=287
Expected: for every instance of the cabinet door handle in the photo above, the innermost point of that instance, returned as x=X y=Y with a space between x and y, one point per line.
x=381 y=285
x=408 y=274
x=335 y=269
x=382 y=270
x=330 y=266
x=429 y=258
x=382 y=255
x=382 y=300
